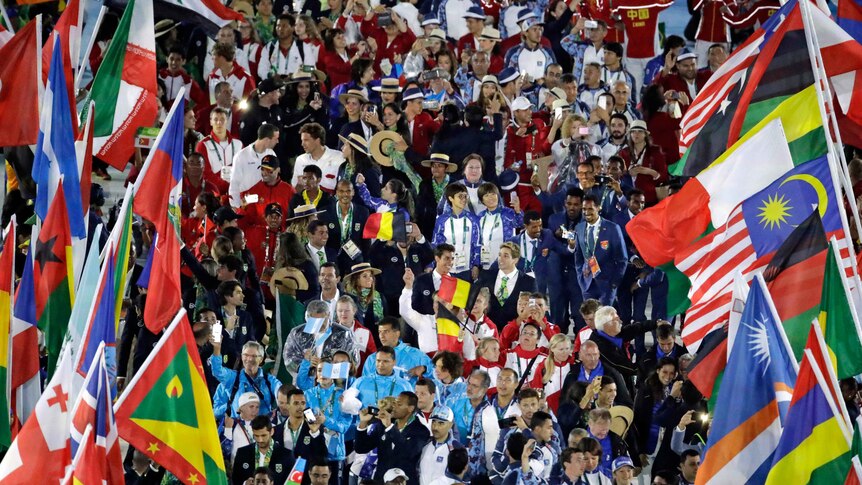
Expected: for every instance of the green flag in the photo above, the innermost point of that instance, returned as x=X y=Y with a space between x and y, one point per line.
x=838 y=320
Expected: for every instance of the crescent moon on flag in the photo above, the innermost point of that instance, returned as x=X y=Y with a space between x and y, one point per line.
x=817 y=185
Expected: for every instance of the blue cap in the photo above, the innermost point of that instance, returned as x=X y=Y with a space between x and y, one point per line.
x=525 y=14
x=430 y=20
x=475 y=12
x=622 y=461
x=508 y=75
x=413 y=93
x=508 y=179
x=443 y=413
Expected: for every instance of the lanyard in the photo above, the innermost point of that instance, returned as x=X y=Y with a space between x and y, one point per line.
x=345 y=226
x=316 y=199
x=222 y=154
x=293 y=436
x=532 y=260
x=501 y=412
x=275 y=67
x=377 y=393
x=452 y=227
x=490 y=235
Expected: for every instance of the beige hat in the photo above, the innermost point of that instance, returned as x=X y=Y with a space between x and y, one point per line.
x=437 y=34
x=490 y=33
x=284 y=279
x=352 y=93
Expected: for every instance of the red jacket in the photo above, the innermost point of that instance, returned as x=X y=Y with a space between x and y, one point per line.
x=402 y=43
x=422 y=134
x=601 y=10
x=712 y=27
x=517 y=147
x=677 y=83
x=263 y=243
x=280 y=193
x=653 y=157
x=512 y=331
x=337 y=69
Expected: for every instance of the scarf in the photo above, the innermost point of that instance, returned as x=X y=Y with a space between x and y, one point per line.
x=400 y=164
x=376 y=302
x=439 y=187
x=588 y=378
x=614 y=340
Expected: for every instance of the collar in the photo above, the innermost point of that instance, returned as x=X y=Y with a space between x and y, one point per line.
x=511 y=274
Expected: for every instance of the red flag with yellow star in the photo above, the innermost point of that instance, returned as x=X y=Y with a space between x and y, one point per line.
x=166 y=410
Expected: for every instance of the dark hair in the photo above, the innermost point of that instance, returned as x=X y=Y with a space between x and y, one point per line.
x=358 y=68
x=329 y=40
x=474 y=116
x=210 y=201
x=454 y=189
x=652 y=101
x=313 y=169
x=669 y=476
x=225 y=289
x=614 y=47
x=330 y=264
x=575 y=192
x=539 y=418
x=231 y=232
x=619 y=116
x=652 y=384
x=568 y=78
x=452 y=362
x=665 y=332
x=401 y=126
x=313 y=225
x=390 y=322
x=428 y=383
x=261 y=422
x=567 y=454
x=289 y=17
x=457 y=462
x=316 y=130
x=672 y=42
x=262 y=470
x=591 y=446
x=531 y=216
x=226 y=51
x=487 y=188
x=266 y=130
x=387 y=350
x=451 y=115
x=617 y=159
x=177 y=49
x=412 y=400
x=528 y=393
x=294 y=392
x=231 y=262
x=592 y=198
x=515 y=444
x=687 y=453
x=443 y=248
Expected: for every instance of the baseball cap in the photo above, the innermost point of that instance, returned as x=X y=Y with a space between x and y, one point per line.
x=267 y=86
x=248 y=397
x=224 y=214
x=270 y=162
x=430 y=20
x=622 y=461
x=273 y=208
x=521 y=103
x=443 y=413
x=394 y=473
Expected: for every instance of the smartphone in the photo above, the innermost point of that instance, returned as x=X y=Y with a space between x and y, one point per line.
x=307 y=68
x=591 y=24
x=603 y=102
x=506 y=423
x=309 y=416
x=583 y=130
x=252 y=198
x=373 y=410
x=532 y=302
x=558 y=113
x=384 y=19
x=317 y=97
x=674 y=95
x=409 y=228
x=513 y=196
x=427 y=42
x=217 y=328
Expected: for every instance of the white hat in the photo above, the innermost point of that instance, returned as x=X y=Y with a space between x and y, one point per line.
x=686 y=55
x=248 y=397
x=521 y=103
x=394 y=473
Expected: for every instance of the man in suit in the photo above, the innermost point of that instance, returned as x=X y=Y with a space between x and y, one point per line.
x=632 y=301
x=563 y=286
x=316 y=247
x=295 y=433
x=535 y=244
x=392 y=258
x=426 y=284
x=280 y=459
x=601 y=257
x=505 y=285
x=346 y=221
x=398 y=446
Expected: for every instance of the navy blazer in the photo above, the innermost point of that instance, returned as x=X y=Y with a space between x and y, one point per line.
x=503 y=313
x=548 y=245
x=389 y=260
x=610 y=253
x=423 y=289
x=280 y=463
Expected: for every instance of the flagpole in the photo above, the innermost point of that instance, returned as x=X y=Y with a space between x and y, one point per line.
x=86 y=62
x=6 y=18
x=834 y=155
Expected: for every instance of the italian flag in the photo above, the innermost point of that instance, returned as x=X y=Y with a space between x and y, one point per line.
x=124 y=89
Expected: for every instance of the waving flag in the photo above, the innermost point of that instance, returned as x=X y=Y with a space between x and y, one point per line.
x=55 y=151
x=295 y=477
x=21 y=76
x=53 y=275
x=24 y=381
x=121 y=239
x=850 y=18
x=157 y=198
x=125 y=87
x=41 y=449
x=101 y=327
x=448 y=330
x=209 y=15
x=166 y=411
x=68 y=31
x=7 y=282
x=93 y=410
x=815 y=444
x=840 y=320
x=454 y=290
x=761 y=367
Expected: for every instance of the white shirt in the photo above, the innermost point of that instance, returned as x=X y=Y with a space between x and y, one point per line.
x=221 y=153
x=240 y=56
x=491 y=236
x=328 y=163
x=332 y=303
x=459 y=233
x=510 y=282
x=433 y=461
x=315 y=257
x=533 y=62
x=274 y=61
x=591 y=54
x=246 y=172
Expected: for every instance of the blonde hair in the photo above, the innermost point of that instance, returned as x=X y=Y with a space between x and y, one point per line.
x=513 y=248
x=566 y=129
x=549 y=362
x=484 y=343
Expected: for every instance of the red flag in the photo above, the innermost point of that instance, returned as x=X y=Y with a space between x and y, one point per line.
x=19 y=86
x=164 y=294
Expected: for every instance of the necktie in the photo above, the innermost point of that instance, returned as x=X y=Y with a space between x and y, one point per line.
x=531 y=261
x=591 y=240
x=504 y=292
x=321 y=258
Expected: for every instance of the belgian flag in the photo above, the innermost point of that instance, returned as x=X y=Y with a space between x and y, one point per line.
x=386 y=226
x=455 y=291
x=448 y=330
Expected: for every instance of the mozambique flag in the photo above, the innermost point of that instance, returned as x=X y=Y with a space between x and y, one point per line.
x=455 y=291
x=839 y=321
x=448 y=330
x=795 y=278
x=166 y=411
x=7 y=277
x=386 y=226
x=53 y=274
x=815 y=444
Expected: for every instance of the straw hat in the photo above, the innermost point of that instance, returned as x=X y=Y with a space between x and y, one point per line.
x=306 y=210
x=380 y=144
x=313 y=76
x=352 y=93
x=441 y=158
x=360 y=267
x=388 y=85
x=284 y=279
x=356 y=141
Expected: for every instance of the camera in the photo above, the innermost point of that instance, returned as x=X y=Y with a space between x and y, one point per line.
x=373 y=410
x=506 y=423
x=602 y=179
x=384 y=19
